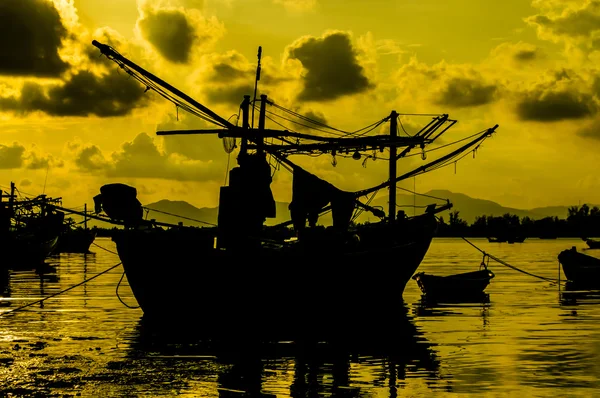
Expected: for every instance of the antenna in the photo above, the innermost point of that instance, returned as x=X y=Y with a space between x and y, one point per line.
x=256 y=83
x=46 y=179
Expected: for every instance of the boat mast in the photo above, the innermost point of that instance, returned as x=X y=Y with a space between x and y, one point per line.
x=256 y=83
x=85 y=215
x=393 y=135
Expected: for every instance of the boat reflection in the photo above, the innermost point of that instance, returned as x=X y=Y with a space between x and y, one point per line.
x=4 y=287
x=433 y=307
x=351 y=364
x=575 y=294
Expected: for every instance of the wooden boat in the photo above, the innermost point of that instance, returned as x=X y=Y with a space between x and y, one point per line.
x=29 y=228
x=242 y=272
x=464 y=285
x=74 y=238
x=581 y=269
x=592 y=243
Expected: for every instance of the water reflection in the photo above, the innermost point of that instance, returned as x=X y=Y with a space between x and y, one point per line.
x=350 y=364
x=573 y=294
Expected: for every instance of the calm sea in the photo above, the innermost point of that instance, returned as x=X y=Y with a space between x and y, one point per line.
x=529 y=339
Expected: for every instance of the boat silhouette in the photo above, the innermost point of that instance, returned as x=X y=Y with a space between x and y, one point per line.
x=242 y=271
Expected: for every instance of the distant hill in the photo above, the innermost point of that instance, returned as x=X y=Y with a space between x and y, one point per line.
x=469 y=208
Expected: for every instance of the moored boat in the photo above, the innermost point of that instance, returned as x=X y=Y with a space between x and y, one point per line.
x=592 y=243
x=463 y=285
x=581 y=269
x=30 y=229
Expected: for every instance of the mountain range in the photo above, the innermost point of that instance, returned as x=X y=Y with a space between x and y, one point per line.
x=469 y=208
x=172 y=211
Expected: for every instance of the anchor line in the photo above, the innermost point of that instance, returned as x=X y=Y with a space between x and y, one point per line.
x=61 y=292
x=551 y=280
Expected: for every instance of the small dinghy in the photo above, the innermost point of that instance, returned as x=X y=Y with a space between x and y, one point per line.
x=465 y=285
x=579 y=268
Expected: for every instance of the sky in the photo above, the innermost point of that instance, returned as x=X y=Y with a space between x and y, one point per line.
x=72 y=121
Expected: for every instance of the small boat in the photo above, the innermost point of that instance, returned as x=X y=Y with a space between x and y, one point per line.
x=592 y=243
x=581 y=269
x=465 y=285
x=511 y=239
x=75 y=240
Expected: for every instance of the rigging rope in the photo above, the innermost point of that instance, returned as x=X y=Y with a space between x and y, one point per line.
x=61 y=292
x=551 y=280
x=148 y=209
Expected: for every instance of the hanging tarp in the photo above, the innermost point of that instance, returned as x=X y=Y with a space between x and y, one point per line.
x=310 y=195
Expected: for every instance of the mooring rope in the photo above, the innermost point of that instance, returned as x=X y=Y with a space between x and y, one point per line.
x=551 y=280
x=105 y=249
x=61 y=292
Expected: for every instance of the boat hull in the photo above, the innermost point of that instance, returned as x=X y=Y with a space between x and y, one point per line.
x=579 y=268
x=75 y=241
x=593 y=244
x=175 y=274
x=465 y=285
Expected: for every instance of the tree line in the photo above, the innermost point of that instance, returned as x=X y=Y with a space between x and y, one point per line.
x=582 y=221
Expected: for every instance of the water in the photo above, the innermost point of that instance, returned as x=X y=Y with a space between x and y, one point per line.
x=528 y=339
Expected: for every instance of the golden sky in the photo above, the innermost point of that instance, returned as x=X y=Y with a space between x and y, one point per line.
x=72 y=121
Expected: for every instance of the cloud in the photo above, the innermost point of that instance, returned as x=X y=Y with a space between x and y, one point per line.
x=11 y=157
x=331 y=67
x=226 y=77
x=462 y=92
x=25 y=183
x=591 y=130
x=570 y=21
x=31 y=35
x=141 y=158
x=15 y=156
x=35 y=161
x=565 y=95
x=83 y=94
x=175 y=32
x=516 y=54
x=451 y=85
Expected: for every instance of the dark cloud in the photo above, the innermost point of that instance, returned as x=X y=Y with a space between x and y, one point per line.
x=466 y=92
x=526 y=55
x=25 y=183
x=573 y=22
x=113 y=94
x=109 y=37
x=550 y=106
x=90 y=158
x=11 y=157
x=170 y=32
x=37 y=162
x=31 y=33
x=229 y=94
x=332 y=68
x=592 y=130
x=141 y=158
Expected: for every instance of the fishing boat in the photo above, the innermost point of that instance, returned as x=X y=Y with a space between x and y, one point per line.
x=30 y=229
x=592 y=243
x=464 y=285
x=75 y=238
x=581 y=269
x=243 y=274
